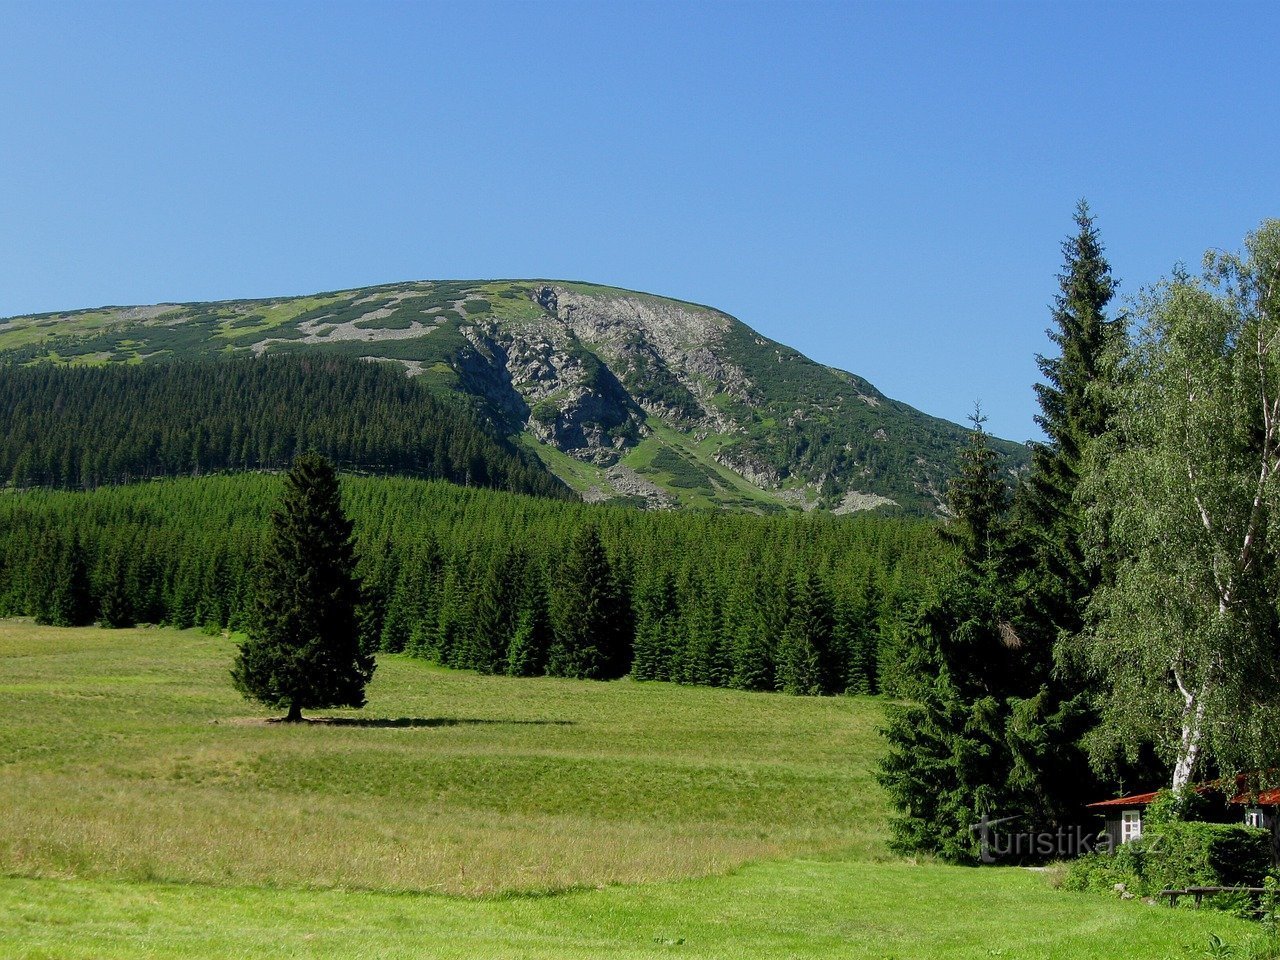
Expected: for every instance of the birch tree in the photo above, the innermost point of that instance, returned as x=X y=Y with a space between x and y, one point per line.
x=1183 y=497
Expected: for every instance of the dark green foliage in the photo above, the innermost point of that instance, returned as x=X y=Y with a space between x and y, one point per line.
x=115 y=587
x=1181 y=854
x=399 y=321
x=683 y=471
x=1074 y=412
x=60 y=593
x=709 y=598
x=377 y=574
x=950 y=759
x=978 y=499
x=532 y=637
x=1176 y=855
x=944 y=771
x=756 y=612
x=650 y=380
x=590 y=614
x=849 y=430
x=1048 y=561
x=997 y=730
x=304 y=646
x=859 y=637
x=84 y=427
x=657 y=615
x=807 y=660
x=1056 y=583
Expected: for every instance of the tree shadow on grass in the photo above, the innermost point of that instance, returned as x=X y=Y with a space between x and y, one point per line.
x=407 y=722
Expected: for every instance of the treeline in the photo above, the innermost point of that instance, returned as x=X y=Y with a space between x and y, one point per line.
x=85 y=427
x=496 y=582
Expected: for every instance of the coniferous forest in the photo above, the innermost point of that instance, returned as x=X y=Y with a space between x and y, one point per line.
x=82 y=427
x=499 y=582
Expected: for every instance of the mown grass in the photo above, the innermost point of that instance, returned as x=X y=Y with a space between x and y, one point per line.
x=129 y=756
x=787 y=909
x=150 y=812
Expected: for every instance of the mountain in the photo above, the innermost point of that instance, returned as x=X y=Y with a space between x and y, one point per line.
x=624 y=395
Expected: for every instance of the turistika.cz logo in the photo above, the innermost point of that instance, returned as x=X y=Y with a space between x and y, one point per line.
x=996 y=844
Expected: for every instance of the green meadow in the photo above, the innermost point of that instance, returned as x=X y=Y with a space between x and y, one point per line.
x=150 y=812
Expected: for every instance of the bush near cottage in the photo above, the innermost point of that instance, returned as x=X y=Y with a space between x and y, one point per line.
x=1177 y=855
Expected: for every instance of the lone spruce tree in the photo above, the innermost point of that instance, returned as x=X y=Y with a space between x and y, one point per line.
x=304 y=649
x=1054 y=580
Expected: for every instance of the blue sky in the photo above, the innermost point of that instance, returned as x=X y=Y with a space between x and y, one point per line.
x=883 y=186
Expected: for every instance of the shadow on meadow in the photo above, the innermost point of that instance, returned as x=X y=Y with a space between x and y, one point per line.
x=389 y=722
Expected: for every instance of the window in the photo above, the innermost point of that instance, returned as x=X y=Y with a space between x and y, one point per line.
x=1253 y=817
x=1130 y=825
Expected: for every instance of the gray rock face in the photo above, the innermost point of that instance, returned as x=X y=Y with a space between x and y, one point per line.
x=663 y=351
x=586 y=377
x=545 y=380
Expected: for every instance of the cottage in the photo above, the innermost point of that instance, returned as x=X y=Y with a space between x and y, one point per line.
x=1123 y=816
x=1260 y=807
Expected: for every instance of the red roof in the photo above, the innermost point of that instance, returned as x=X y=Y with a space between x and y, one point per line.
x=1262 y=798
x=1257 y=798
x=1133 y=800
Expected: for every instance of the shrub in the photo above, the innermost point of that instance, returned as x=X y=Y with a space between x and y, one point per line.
x=545 y=412
x=1205 y=855
x=1101 y=871
x=1176 y=854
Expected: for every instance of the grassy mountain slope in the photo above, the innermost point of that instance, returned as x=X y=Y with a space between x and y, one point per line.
x=624 y=395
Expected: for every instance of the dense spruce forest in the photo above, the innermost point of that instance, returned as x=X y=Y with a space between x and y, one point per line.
x=490 y=580
x=83 y=427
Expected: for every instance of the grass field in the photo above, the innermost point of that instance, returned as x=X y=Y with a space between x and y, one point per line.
x=148 y=811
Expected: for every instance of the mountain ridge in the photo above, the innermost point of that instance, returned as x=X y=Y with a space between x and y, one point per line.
x=626 y=395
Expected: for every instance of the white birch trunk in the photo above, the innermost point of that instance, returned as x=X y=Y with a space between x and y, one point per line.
x=1189 y=744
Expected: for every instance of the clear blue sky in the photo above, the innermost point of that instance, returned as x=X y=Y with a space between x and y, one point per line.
x=883 y=186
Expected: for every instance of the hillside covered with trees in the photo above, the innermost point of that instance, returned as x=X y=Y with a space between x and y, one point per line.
x=498 y=582
x=82 y=427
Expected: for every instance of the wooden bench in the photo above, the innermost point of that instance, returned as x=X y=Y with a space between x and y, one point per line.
x=1199 y=893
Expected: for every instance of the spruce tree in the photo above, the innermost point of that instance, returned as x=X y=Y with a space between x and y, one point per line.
x=1073 y=413
x=60 y=586
x=1055 y=582
x=656 y=612
x=493 y=614
x=111 y=586
x=527 y=652
x=948 y=762
x=807 y=661
x=753 y=639
x=377 y=572
x=304 y=650
x=590 y=616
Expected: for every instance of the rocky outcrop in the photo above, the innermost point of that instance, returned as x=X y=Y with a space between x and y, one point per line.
x=753 y=468
x=542 y=375
x=666 y=352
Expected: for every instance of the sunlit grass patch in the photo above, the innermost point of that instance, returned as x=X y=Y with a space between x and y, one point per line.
x=131 y=760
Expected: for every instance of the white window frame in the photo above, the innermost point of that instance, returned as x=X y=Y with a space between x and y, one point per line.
x=1254 y=817
x=1130 y=825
